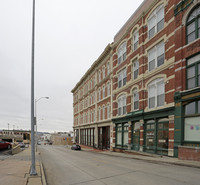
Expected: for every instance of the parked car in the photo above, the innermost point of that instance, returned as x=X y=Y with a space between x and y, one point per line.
x=5 y=145
x=76 y=147
x=39 y=142
x=21 y=144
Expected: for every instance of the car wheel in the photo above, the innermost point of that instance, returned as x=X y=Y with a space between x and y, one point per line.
x=9 y=147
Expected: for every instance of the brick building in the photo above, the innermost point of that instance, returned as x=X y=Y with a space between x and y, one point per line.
x=154 y=78
x=92 y=104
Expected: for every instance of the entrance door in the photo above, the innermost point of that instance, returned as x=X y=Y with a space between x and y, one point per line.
x=104 y=138
x=136 y=136
x=162 y=137
x=150 y=135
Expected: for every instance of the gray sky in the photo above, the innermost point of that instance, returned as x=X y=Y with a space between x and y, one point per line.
x=70 y=36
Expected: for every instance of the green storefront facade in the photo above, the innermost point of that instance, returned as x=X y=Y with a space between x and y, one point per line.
x=187 y=119
x=150 y=132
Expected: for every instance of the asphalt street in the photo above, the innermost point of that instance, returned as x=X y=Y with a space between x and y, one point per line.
x=66 y=167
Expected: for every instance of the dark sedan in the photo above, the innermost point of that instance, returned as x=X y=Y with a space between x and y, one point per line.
x=76 y=147
x=5 y=145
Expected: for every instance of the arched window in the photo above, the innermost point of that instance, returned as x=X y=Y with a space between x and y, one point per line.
x=108 y=68
x=193 y=25
x=104 y=73
x=122 y=53
x=108 y=89
x=135 y=39
x=99 y=75
x=104 y=92
x=156 y=21
x=135 y=99
x=135 y=69
x=103 y=116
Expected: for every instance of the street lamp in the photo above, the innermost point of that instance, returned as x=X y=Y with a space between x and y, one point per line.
x=33 y=170
x=36 y=100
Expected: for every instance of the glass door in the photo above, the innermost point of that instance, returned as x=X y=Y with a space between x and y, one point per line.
x=150 y=136
x=162 y=137
x=136 y=136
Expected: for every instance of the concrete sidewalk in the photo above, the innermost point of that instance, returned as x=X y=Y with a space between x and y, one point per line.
x=14 y=169
x=152 y=158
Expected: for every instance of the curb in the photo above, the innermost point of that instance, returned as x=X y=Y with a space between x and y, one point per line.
x=147 y=160
x=43 y=178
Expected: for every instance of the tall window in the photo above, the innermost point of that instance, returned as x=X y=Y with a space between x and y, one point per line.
x=108 y=68
x=99 y=75
x=135 y=99
x=108 y=111
x=99 y=113
x=135 y=69
x=156 y=56
x=108 y=89
x=156 y=21
x=156 y=93
x=135 y=39
x=122 y=105
x=103 y=112
x=104 y=92
x=193 y=72
x=99 y=94
x=122 y=78
x=193 y=25
x=122 y=53
x=104 y=73
x=94 y=116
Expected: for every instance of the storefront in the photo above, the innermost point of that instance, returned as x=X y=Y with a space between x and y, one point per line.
x=135 y=140
x=187 y=124
x=87 y=137
x=146 y=131
x=122 y=136
x=156 y=136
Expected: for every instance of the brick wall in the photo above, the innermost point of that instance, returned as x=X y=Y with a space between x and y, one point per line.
x=189 y=153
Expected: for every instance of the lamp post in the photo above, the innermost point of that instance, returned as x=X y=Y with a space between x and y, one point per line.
x=36 y=100
x=33 y=170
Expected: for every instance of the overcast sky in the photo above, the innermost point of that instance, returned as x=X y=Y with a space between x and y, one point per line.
x=70 y=36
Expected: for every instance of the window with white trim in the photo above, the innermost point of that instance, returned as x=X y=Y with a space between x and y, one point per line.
x=156 y=56
x=156 y=93
x=108 y=68
x=156 y=21
x=135 y=39
x=122 y=105
x=99 y=96
x=99 y=113
x=104 y=92
x=103 y=112
x=122 y=78
x=94 y=116
x=122 y=53
x=104 y=72
x=108 y=88
x=135 y=99
x=99 y=75
x=108 y=111
x=135 y=69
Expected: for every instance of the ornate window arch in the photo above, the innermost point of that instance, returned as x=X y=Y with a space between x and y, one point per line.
x=193 y=24
x=121 y=52
x=156 y=21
